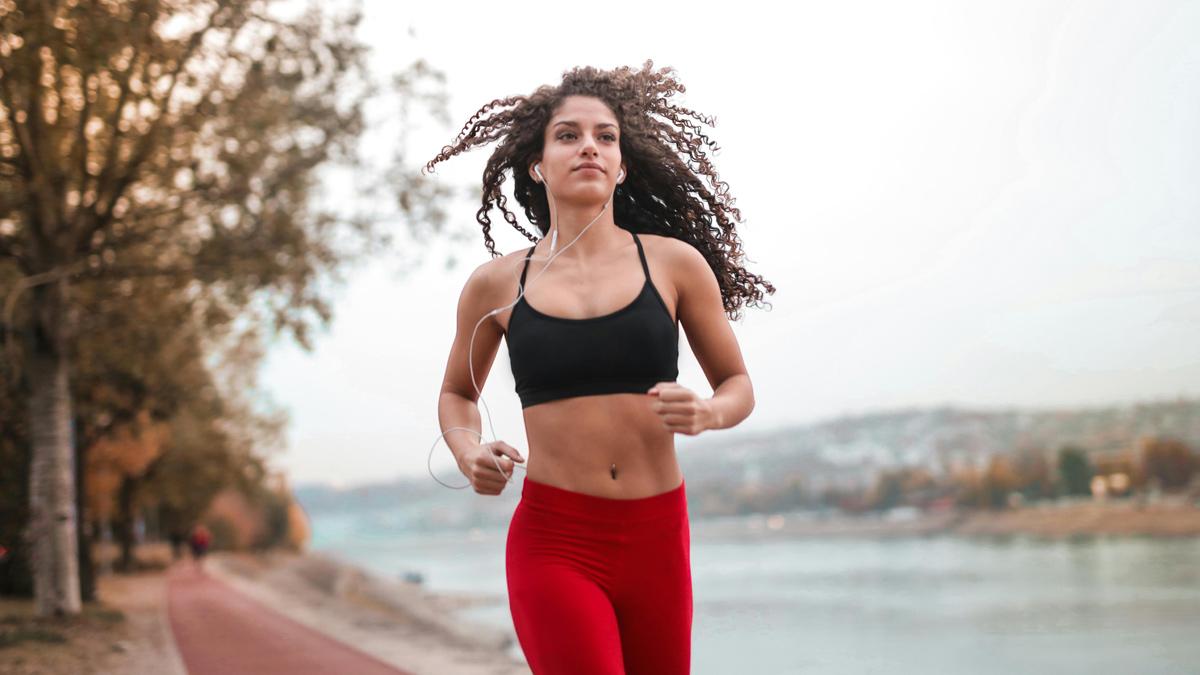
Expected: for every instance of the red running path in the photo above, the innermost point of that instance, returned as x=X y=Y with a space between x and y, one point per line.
x=222 y=632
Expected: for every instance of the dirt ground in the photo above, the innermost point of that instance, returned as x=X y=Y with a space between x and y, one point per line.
x=128 y=632
x=1167 y=519
x=407 y=627
x=1176 y=517
x=124 y=631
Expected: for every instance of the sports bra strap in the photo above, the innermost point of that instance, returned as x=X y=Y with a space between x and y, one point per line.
x=526 y=268
x=641 y=254
x=636 y=240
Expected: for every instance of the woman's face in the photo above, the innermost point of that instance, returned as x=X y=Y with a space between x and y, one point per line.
x=582 y=130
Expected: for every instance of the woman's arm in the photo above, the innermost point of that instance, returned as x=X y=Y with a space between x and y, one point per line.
x=701 y=313
x=457 y=405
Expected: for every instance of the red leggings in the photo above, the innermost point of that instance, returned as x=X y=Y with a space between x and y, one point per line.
x=598 y=585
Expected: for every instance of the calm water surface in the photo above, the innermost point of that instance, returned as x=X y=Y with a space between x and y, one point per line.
x=873 y=605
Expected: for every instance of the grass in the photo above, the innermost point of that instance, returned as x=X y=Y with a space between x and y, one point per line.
x=15 y=636
x=19 y=625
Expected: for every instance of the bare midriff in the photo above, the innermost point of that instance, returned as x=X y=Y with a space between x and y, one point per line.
x=575 y=442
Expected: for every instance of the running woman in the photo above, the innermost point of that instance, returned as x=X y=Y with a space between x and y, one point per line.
x=633 y=244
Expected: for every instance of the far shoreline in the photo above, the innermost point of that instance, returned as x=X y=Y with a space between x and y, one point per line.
x=1041 y=520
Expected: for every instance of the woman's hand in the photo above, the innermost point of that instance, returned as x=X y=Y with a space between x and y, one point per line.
x=479 y=465
x=681 y=410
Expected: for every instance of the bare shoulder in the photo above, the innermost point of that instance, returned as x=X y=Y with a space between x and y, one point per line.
x=496 y=276
x=680 y=258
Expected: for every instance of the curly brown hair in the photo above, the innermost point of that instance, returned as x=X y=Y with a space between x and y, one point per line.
x=662 y=146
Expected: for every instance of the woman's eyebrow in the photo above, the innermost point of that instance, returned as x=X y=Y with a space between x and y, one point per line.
x=575 y=124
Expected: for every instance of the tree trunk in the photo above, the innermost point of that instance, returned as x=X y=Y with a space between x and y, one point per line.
x=53 y=518
x=124 y=521
x=87 y=571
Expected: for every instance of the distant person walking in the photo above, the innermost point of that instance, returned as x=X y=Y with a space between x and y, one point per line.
x=199 y=541
x=598 y=550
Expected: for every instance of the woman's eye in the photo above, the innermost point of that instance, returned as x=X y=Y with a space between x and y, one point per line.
x=611 y=137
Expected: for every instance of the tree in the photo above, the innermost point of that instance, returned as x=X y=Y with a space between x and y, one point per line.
x=1074 y=471
x=1034 y=473
x=15 y=574
x=216 y=438
x=141 y=362
x=169 y=139
x=118 y=462
x=999 y=480
x=902 y=485
x=1169 y=460
x=138 y=359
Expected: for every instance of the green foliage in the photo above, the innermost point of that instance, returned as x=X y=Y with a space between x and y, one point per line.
x=15 y=636
x=1074 y=471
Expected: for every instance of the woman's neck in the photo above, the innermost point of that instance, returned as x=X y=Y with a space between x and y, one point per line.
x=598 y=239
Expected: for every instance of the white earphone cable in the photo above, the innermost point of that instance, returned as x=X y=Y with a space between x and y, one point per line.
x=470 y=347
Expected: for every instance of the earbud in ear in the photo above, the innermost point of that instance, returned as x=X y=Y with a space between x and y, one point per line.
x=620 y=175
x=537 y=168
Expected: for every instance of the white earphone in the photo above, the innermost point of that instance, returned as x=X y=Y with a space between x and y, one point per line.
x=554 y=253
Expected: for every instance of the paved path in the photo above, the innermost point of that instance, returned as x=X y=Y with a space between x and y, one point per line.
x=222 y=632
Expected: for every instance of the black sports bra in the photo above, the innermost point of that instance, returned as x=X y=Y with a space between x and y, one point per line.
x=626 y=351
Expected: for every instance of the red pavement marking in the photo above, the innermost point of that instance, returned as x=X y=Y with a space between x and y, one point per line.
x=222 y=632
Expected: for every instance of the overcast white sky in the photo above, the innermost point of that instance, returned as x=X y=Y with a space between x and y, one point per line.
x=984 y=204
